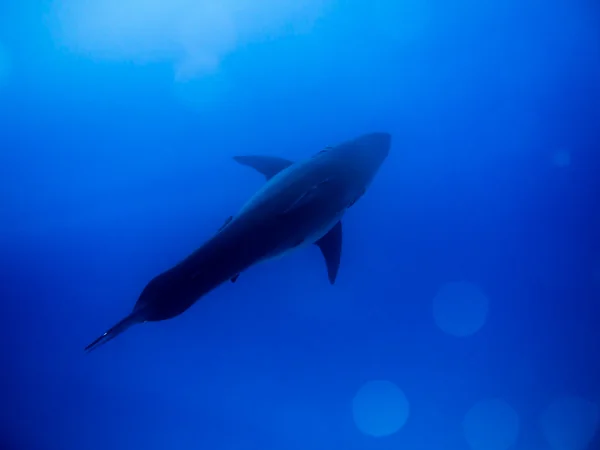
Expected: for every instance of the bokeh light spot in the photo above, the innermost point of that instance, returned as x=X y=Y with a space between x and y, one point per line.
x=561 y=158
x=380 y=408
x=570 y=423
x=491 y=425
x=460 y=308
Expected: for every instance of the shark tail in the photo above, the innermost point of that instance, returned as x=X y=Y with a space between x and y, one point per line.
x=115 y=330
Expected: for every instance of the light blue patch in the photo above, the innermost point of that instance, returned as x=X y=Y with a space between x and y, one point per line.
x=460 y=308
x=380 y=408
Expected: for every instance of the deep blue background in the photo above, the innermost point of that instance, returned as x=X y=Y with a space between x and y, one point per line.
x=108 y=177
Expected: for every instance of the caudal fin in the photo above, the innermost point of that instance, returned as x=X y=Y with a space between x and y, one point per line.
x=114 y=331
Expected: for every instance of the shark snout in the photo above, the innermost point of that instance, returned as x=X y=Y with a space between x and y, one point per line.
x=374 y=148
x=380 y=143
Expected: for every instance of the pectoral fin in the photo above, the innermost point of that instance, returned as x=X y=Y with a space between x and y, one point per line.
x=331 y=248
x=269 y=166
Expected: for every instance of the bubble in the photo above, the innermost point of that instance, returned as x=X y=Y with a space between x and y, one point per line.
x=491 y=425
x=569 y=423
x=561 y=158
x=460 y=308
x=380 y=408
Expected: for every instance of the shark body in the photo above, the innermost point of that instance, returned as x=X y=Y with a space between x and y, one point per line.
x=302 y=203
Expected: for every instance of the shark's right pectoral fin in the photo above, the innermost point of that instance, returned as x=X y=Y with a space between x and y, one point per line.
x=269 y=166
x=331 y=248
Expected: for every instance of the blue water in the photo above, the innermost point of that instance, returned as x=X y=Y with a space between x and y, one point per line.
x=465 y=314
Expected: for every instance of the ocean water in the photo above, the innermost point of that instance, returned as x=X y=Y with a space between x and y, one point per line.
x=465 y=314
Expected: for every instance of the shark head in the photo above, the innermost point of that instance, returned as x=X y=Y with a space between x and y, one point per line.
x=369 y=150
x=363 y=155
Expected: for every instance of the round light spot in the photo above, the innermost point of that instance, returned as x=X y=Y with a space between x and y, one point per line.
x=570 y=423
x=491 y=425
x=380 y=408
x=460 y=308
x=561 y=158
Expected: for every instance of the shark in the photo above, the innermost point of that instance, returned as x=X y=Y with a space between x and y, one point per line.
x=300 y=204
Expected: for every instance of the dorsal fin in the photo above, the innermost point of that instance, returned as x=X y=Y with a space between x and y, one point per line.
x=269 y=166
x=331 y=248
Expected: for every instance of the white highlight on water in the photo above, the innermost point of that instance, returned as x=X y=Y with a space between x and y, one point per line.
x=192 y=34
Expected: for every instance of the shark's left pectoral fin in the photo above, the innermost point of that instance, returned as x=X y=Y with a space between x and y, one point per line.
x=269 y=166
x=331 y=248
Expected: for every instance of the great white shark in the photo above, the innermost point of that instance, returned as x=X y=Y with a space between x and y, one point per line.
x=302 y=203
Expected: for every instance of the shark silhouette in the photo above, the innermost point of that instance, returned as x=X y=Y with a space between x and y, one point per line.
x=301 y=204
